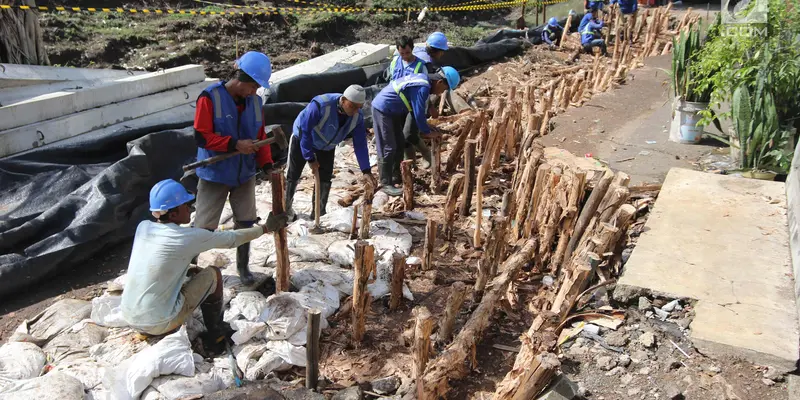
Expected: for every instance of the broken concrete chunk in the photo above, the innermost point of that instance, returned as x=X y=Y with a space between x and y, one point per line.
x=606 y=363
x=644 y=304
x=626 y=379
x=768 y=382
x=616 y=371
x=644 y=371
x=673 y=363
x=634 y=391
x=591 y=328
x=673 y=392
x=386 y=385
x=562 y=388
x=774 y=374
x=662 y=315
x=671 y=306
x=351 y=393
x=713 y=370
x=616 y=338
x=624 y=360
x=647 y=339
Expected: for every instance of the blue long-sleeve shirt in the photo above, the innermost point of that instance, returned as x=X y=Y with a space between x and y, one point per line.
x=388 y=102
x=311 y=117
x=627 y=6
x=590 y=30
x=554 y=31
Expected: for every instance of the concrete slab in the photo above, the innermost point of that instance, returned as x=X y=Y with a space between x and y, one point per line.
x=359 y=55
x=723 y=241
x=54 y=105
x=19 y=94
x=15 y=75
x=35 y=135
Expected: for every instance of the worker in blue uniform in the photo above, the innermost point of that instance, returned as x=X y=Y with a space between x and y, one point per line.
x=328 y=120
x=551 y=34
x=590 y=32
x=590 y=5
x=408 y=94
x=404 y=61
x=629 y=10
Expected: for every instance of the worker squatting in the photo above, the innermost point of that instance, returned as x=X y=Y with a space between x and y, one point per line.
x=229 y=119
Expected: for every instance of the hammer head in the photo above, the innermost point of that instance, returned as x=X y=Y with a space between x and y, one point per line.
x=280 y=138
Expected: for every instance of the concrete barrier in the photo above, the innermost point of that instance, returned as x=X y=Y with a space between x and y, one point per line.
x=792 y=208
x=34 y=135
x=58 y=104
x=359 y=55
x=15 y=75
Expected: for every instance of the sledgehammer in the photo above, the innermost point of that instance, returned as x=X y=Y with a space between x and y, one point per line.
x=278 y=137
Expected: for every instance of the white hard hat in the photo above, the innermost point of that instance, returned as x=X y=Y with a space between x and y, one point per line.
x=356 y=94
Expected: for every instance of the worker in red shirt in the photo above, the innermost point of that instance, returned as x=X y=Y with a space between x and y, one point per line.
x=229 y=118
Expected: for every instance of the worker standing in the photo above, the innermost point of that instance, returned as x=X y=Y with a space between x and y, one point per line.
x=229 y=118
x=328 y=120
x=435 y=47
x=551 y=34
x=590 y=32
x=156 y=301
x=389 y=110
x=629 y=10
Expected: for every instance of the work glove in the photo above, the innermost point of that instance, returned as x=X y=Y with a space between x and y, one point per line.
x=275 y=222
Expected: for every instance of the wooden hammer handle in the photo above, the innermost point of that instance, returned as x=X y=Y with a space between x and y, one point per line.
x=216 y=159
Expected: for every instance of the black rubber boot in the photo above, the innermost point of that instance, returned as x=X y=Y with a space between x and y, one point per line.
x=291 y=188
x=217 y=331
x=410 y=154
x=385 y=169
x=325 y=191
x=397 y=175
x=243 y=264
x=425 y=152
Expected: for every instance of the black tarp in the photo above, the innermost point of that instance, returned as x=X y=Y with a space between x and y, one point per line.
x=63 y=203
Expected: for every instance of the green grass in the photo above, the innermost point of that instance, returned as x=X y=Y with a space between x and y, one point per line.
x=560 y=10
x=466 y=35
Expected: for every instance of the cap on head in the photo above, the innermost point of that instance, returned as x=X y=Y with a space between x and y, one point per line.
x=168 y=194
x=257 y=66
x=452 y=76
x=437 y=40
x=552 y=22
x=356 y=94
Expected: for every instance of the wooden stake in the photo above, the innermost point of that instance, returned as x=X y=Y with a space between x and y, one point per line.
x=481 y=278
x=458 y=148
x=364 y=263
x=569 y=217
x=451 y=201
x=366 y=209
x=532 y=373
x=469 y=176
x=525 y=191
x=449 y=365
x=539 y=186
x=587 y=212
x=408 y=184
x=544 y=128
x=354 y=223
x=430 y=241
x=281 y=244
x=565 y=34
x=436 y=164
x=398 y=275
x=422 y=340
x=312 y=349
x=458 y=293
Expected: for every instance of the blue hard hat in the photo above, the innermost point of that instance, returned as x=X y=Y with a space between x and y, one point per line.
x=256 y=65
x=452 y=76
x=168 y=194
x=437 y=40
x=552 y=22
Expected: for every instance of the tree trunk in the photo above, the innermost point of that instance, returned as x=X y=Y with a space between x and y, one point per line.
x=21 y=39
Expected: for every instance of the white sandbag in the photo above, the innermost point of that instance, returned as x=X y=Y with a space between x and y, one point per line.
x=269 y=362
x=195 y=325
x=118 y=347
x=246 y=330
x=53 y=320
x=337 y=277
x=52 y=386
x=321 y=296
x=295 y=355
x=106 y=311
x=247 y=305
x=75 y=344
x=20 y=360
x=260 y=248
x=340 y=220
x=307 y=248
x=284 y=316
x=175 y=387
x=379 y=200
x=151 y=393
x=212 y=258
x=87 y=370
x=172 y=355
x=389 y=237
x=249 y=351
x=342 y=252
x=300 y=227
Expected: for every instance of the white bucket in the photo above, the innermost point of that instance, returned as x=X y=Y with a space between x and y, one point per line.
x=688 y=114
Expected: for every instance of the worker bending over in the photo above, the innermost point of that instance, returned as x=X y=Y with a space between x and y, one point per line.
x=551 y=34
x=407 y=95
x=405 y=62
x=328 y=120
x=590 y=32
x=229 y=118
x=156 y=301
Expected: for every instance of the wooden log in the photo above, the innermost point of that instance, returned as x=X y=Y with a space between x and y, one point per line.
x=640 y=27
x=476 y=234
x=281 y=243
x=667 y=48
x=577 y=279
x=450 y=363
x=469 y=176
x=483 y=136
x=607 y=79
x=456 y=153
x=531 y=374
x=362 y=265
x=451 y=201
x=366 y=209
x=588 y=211
x=422 y=339
x=436 y=164
x=569 y=218
x=354 y=223
x=500 y=137
x=532 y=131
x=398 y=275
x=312 y=349
x=481 y=279
x=566 y=97
x=533 y=204
x=525 y=191
x=408 y=184
x=458 y=292
x=430 y=241
x=544 y=128
x=565 y=34
x=553 y=201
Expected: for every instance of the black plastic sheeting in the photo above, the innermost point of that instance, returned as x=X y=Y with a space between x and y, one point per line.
x=63 y=203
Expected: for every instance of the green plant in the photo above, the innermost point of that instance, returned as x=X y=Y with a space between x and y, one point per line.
x=685 y=79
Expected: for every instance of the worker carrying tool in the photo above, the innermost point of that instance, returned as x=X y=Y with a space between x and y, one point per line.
x=389 y=110
x=326 y=121
x=590 y=32
x=228 y=118
x=156 y=301
x=551 y=34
